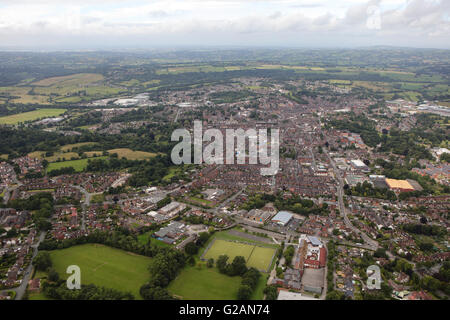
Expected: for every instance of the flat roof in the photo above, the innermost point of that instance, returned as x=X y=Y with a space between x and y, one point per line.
x=287 y=295
x=282 y=216
x=399 y=184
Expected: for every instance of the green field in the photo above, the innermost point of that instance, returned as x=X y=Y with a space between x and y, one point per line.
x=256 y=256
x=30 y=116
x=104 y=266
x=194 y=283
x=78 y=165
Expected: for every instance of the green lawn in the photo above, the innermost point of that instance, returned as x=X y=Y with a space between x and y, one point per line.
x=257 y=257
x=78 y=165
x=30 y=116
x=204 y=284
x=104 y=266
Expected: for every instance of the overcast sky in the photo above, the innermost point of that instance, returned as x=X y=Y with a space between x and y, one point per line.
x=64 y=24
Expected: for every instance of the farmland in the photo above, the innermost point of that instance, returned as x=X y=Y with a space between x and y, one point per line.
x=32 y=115
x=104 y=266
x=131 y=155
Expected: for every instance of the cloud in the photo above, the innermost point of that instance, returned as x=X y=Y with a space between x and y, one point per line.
x=211 y=21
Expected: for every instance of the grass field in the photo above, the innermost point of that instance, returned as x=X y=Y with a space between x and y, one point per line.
x=104 y=266
x=132 y=155
x=256 y=256
x=78 y=165
x=74 y=79
x=194 y=283
x=30 y=116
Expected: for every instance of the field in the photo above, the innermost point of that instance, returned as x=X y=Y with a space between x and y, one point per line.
x=104 y=266
x=30 y=116
x=256 y=256
x=78 y=165
x=74 y=79
x=194 y=283
x=132 y=155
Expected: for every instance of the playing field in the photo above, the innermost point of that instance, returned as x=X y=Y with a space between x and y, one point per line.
x=104 y=266
x=78 y=165
x=30 y=116
x=256 y=256
x=204 y=283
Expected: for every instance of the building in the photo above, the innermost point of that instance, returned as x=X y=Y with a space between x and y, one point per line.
x=258 y=215
x=288 y=295
x=282 y=218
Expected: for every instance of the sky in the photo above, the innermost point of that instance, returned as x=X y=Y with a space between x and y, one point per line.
x=106 y=24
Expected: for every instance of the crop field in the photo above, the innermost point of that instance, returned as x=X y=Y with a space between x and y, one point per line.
x=256 y=256
x=132 y=155
x=104 y=266
x=78 y=165
x=31 y=115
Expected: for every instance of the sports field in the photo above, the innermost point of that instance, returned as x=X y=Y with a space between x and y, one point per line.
x=78 y=165
x=104 y=266
x=30 y=116
x=256 y=256
x=202 y=283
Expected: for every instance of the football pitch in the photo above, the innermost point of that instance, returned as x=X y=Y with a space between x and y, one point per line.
x=256 y=256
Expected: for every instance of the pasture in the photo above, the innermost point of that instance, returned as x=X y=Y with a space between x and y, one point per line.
x=132 y=155
x=31 y=115
x=78 y=165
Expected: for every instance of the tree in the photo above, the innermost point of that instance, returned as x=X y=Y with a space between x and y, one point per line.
x=210 y=263
x=42 y=261
x=244 y=292
x=271 y=292
x=238 y=266
x=53 y=275
x=221 y=263
x=191 y=248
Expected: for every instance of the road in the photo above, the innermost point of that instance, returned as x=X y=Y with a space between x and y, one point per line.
x=343 y=210
x=85 y=205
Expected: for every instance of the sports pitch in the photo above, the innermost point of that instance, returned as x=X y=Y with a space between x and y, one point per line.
x=104 y=266
x=256 y=256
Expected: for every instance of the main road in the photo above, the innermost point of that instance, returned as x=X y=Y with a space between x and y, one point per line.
x=343 y=210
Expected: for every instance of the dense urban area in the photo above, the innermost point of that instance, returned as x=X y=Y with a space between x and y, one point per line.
x=86 y=176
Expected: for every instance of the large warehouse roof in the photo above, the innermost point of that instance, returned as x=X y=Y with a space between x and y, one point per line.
x=399 y=184
x=282 y=217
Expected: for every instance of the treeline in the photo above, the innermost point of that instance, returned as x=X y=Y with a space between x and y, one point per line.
x=144 y=172
x=366 y=189
x=237 y=267
x=428 y=230
x=41 y=204
x=59 y=291
x=294 y=203
x=163 y=268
